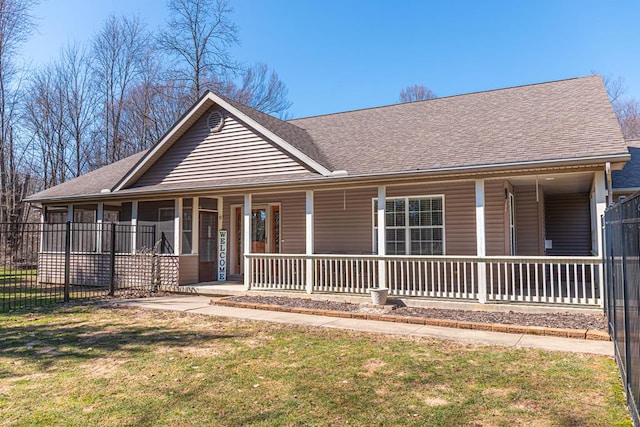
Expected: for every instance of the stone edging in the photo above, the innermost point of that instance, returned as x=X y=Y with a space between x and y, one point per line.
x=588 y=334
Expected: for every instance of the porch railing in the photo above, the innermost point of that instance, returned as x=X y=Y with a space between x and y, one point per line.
x=552 y=280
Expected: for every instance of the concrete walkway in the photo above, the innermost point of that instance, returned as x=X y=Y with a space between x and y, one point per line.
x=200 y=305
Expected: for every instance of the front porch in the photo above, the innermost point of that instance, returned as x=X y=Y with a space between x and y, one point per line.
x=545 y=280
x=525 y=239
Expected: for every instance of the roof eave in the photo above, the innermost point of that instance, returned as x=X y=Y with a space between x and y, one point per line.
x=337 y=179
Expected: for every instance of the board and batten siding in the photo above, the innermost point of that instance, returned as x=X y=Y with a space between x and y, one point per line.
x=528 y=227
x=236 y=151
x=568 y=224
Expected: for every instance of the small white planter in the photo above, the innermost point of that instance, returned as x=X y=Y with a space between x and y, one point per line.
x=379 y=295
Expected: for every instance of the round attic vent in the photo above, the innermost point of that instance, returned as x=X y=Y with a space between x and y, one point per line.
x=215 y=121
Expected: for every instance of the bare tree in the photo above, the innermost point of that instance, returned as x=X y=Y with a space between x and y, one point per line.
x=118 y=52
x=79 y=104
x=628 y=114
x=259 y=89
x=627 y=110
x=16 y=23
x=416 y=93
x=198 y=36
x=44 y=119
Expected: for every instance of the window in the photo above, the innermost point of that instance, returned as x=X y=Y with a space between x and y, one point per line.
x=414 y=225
x=166 y=229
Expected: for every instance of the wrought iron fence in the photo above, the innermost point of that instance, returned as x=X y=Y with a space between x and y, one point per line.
x=622 y=292
x=48 y=263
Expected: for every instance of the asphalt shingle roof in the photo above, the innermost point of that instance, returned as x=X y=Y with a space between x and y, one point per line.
x=562 y=120
x=558 y=120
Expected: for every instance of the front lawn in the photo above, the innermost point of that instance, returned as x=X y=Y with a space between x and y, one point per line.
x=98 y=365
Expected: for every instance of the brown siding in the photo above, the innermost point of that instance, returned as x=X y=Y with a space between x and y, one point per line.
x=188 y=271
x=234 y=152
x=568 y=224
x=459 y=211
x=343 y=220
x=496 y=220
x=527 y=221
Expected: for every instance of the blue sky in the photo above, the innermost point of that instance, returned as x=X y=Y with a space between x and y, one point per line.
x=342 y=55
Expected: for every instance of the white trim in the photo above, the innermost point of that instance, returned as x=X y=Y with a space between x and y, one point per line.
x=177 y=226
x=309 y=242
x=141 y=167
x=601 y=205
x=195 y=226
x=381 y=247
x=481 y=248
x=607 y=168
x=99 y=223
x=246 y=237
x=134 y=226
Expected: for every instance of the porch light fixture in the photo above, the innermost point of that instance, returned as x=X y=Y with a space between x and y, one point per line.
x=215 y=121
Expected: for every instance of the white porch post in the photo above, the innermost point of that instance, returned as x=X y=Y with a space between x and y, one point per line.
x=601 y=205
x=609 y=183
x=70 y=212
x=134 y=226
x=246 y=234
x=99 y=221
x=309 y=247
x=382 y=236
x=195 y=226
x=481 y=249
x=177 y=229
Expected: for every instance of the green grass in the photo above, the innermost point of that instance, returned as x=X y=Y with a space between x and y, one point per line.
x=93 y=365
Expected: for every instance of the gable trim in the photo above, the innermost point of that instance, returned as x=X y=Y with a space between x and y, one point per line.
x=145 y=162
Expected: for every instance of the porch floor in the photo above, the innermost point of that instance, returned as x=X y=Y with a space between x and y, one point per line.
x=236 y=288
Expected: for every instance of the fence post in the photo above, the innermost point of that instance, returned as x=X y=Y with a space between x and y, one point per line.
x=67 y=260
x=112 y=261
x=625 y=299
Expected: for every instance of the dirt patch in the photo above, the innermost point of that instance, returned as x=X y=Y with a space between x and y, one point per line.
x=549 y=320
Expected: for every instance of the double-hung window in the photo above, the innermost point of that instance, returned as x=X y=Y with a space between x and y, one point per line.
x=414 y=225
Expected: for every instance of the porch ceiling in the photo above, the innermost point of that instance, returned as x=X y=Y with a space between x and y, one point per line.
x=561 y=183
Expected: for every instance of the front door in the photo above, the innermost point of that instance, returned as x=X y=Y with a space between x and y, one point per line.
x=208 y=246
x=265 y=232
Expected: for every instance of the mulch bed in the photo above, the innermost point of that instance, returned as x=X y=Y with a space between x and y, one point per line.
x=547 y=320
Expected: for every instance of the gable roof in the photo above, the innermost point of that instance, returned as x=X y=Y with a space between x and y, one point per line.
x=269 y=131
x=546 y=124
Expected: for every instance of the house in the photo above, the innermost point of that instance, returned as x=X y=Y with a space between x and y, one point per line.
x=492 y=196
x=625 y=182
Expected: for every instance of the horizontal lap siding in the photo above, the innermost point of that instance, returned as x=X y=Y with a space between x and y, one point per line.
x=496 y=219
x=236 y=151
x=568 y=224
x=460 y=212
x=188 y=271
x=343 y=220
x=527 y=221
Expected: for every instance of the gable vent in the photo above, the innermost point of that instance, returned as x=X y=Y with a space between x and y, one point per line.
x=215 y=121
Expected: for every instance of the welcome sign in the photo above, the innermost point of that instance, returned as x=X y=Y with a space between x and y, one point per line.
x=222 y=255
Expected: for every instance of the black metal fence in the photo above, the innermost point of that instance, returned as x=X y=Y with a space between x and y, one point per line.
x=622 y=292
x=48 y=263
